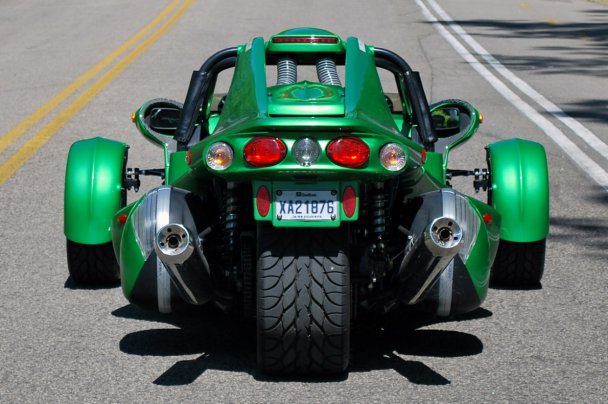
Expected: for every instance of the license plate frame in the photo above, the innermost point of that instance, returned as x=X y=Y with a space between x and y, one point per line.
x=306 y=205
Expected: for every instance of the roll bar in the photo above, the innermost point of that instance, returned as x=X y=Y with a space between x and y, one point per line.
x=395 y=64
x=199 y=90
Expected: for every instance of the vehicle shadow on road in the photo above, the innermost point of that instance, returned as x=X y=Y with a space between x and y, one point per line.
x=383 y=345
x=224 y=343
x=71 y=284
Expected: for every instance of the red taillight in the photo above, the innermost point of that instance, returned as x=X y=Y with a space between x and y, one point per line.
x=349 y=201
x=304 y=39
x=264 y=151
x=348 y=152
x=262 y=201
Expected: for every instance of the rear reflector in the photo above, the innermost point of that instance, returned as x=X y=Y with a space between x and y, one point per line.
x=122 y=219
x=262 y=201
x=349 y=201
x=487 y=218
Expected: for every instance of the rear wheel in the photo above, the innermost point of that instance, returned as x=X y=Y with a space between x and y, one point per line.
x=519 y=265
x=303 y=301
x=92 y=264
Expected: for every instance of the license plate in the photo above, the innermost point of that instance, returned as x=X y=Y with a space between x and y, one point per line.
x=306 y=205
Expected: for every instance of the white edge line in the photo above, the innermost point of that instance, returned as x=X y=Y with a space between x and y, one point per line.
x=594 y=170
x=581 y=131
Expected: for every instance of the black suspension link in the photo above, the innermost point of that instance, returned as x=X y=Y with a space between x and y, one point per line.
x=132 y=180
x=481 y=176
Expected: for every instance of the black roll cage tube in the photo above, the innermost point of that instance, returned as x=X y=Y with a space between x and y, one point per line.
x=198 y=92
x=402 y=71
x=202 y=83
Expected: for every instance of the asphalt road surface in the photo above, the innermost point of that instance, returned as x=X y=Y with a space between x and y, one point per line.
x=75 y=69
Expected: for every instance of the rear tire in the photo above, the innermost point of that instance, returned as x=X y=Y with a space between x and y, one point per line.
x=92 y=265
x=519 y=265
x=303 y=301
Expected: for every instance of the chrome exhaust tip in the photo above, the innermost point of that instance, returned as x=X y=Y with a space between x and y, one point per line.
x=443 y=237
x=423 y=264
x=174 y=244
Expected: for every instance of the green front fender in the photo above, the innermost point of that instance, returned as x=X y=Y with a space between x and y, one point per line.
x=520 y=189
x=93 y=189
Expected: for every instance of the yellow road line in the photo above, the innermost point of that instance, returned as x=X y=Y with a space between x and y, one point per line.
x=10 y=137
x=10 y=166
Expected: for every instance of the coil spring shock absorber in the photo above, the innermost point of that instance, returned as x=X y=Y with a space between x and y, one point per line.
x=378 y=218
x=287 y=71
x=375 y=258
x=231 y=230
x=327 y=72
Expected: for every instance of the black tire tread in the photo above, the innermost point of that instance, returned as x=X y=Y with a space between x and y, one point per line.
x=303 y=302
x=92 y=264
x=519 y=265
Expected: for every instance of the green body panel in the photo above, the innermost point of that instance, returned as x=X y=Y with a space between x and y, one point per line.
x=520 y=189
x=129 y=254
x=212 y=123
x=93 y=189
x=306 y=99
x=116 y=227
x=178 y=166
x=484 y=250
x=246 y=115
x=321 y=123
x=249 y=103
x=398 y=119
x=364 y=98
x=247 y=99
x=434 y=166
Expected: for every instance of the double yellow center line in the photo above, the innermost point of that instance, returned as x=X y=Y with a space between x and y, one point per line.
x=29 y=148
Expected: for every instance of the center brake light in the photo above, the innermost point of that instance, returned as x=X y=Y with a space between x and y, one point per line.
x=264 y=151
x=349 y=152
x=304 y=39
